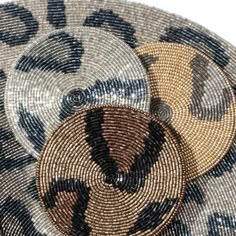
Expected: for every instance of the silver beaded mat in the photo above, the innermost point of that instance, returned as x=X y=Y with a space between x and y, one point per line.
x=67 y=71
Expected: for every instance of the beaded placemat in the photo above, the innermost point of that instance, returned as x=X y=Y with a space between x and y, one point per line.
x=192 y=95
x=209 y=207
x=111 y=171
x=67 y=71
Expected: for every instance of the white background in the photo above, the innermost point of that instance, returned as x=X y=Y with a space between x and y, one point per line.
x=217 y=15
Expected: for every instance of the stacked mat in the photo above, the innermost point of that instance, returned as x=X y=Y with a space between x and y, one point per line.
x=115 y=119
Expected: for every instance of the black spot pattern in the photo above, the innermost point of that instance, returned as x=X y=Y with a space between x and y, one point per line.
x=194 y=193
x=68 y=64
x=56 y=13
x=15 y=209
x=199 y=108
x=152 y=216
x=198 y=40
x=2 y=76
x=226 y=165
x=25 y=16
x=32 y=189
x=8 y=163
x=3 y=79
x=100 y=152
x=148 y=60
x=178 y=228
x=79 y=226
x=200 y=76
x=234 y=89
x=33 y=127
x=134 y=180
x=2 y=108
x=6 y=135
x=107 y=19
x=219 y=222
x=77 y=98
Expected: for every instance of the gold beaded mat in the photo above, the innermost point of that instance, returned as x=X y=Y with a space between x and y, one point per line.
x=192 y=95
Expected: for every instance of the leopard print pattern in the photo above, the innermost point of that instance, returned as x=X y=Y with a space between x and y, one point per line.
x=209 y=209
x=81 y=184
x=67 y=71
x=192 y=95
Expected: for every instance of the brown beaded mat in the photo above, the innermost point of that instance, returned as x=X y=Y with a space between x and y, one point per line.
x=192 y=95
x=111 y=171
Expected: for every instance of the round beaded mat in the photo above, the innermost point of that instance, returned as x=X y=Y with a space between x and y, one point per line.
x=190 y=93
x=111 y=171
x=67 y=71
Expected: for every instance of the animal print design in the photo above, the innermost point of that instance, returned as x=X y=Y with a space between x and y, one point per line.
x=148 y=217
x=111 y=22
x=144 y=34
x=44 y=58
x=134 y=180
x=25 y=225
x=199 y=40
x=227 y=165
x=220 y=224
x=7 y=163
x=17 y=214
x=77 y=98
x=20 y=212
x=28 y=27
x=178 y=228
x=113 y=173
x=194 y=193
x=56 y=13
x=79 y=226
x=2 y=75
x=32 y=189
x=201 y=212
x=61 y=74
x=205 y=103
x=33 y=127
x=148 y=60
x=198 y=101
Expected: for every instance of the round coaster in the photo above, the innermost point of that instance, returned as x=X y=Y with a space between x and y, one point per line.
x=111 y=171
x=67 y=71
x=190 y=93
